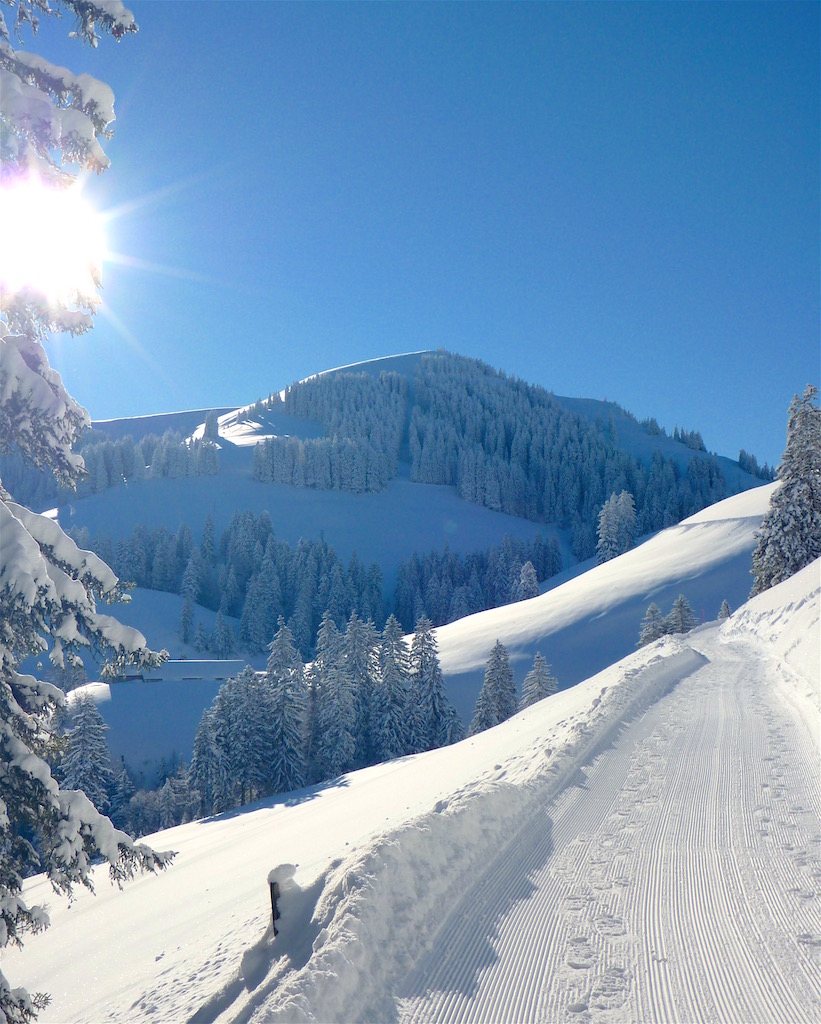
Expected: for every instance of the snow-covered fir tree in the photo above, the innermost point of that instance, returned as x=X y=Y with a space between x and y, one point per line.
x=186 y=620
x=335 y=750
x=528 y=585
x=201 y=640
x=484 y=713
x=123 y=791
x=538 y=683
x=50 y=589
x=223 y=636
x=206 y=773
x=616 y=527
x=360 y=666
x=725 y=611
x=436 y=721
x=497 y=698
x=285 y=685
x=681 y=618
x=86 y=764
x=790 y=535
x=177 y=801
x=653 y=625
x=391 y=732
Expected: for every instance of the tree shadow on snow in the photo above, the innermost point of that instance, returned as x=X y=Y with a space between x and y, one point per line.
x=293 y=799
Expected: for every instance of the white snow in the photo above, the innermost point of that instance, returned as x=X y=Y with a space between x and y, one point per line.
x=643 y=846
x=593 y=619
x=580 y=626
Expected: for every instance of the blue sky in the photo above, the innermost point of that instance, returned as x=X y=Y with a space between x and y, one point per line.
x=610 y=200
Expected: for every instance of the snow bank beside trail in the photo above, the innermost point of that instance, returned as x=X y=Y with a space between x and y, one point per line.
x=787 y=620
x=379 y=909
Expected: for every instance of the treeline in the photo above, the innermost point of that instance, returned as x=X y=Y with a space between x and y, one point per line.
x=251 y=575
x=749 y=463
x=367 y=697
x=248 y=574
x=364 y=420
x=510 y=446
x=110 y=462
x=680 y=619
x=445 y=586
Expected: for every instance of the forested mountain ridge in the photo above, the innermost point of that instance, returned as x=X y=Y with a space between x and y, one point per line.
x=291 y=489
x=505 y=444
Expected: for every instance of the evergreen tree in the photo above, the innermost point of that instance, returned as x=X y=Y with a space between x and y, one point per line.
x=538 y=683
x=192 y=577
x=391 y=735
x=286 y=689
x=360 y=647
x=87 y=762
x=200 y=637
x=528 y=586
x=123 y=791
x=206 y=772
x=617 y=526
x=681 y=618
x=336 y=748
x=177 y=800
x=240 y=721
x=50 y=587
x=263 y=606
x=186 y=620
x=223 y=636
x=607 y=546
x=434 y=712
x=501 y=682
x=484 y=714
x=208 y=543
x=790 y=535
x=497 y=698
x=653 y=625
x=724 y=611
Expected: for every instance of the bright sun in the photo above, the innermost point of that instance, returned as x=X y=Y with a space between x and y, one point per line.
x=53 y=243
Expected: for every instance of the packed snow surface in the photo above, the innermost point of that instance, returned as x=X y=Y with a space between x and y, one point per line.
x=643 y=846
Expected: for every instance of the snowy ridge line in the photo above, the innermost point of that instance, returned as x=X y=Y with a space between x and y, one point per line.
x=381 y=910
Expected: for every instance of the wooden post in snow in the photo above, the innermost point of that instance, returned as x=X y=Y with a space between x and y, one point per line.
x=274 y=908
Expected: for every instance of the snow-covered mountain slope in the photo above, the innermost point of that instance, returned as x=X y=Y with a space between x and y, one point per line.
x=581 y=626
x=643 y=846
x=137 y=427
x=430 y=516
x=592 y=619
x=349 y=521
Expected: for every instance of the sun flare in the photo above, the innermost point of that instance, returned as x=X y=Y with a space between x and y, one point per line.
x=53 y=243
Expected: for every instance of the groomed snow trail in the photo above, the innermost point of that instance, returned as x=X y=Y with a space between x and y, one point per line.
x=678 y=881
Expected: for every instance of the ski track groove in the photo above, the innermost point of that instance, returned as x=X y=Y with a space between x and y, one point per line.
x=644 y=903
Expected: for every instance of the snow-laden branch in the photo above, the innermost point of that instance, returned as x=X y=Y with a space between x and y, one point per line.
x=37 y=414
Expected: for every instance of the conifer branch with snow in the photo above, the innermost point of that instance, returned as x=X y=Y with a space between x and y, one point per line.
x=50 y=589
